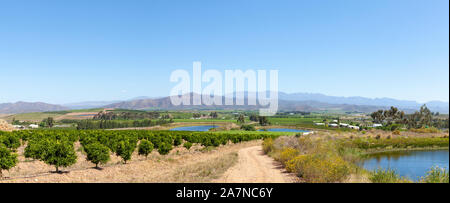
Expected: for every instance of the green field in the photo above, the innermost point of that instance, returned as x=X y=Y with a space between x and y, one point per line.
x=31 y=117
x=202 y=120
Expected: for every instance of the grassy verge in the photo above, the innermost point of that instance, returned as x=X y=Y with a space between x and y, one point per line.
x=434 y=175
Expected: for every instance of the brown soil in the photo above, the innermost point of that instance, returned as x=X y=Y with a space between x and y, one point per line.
x=4 y=126
x=77 y=116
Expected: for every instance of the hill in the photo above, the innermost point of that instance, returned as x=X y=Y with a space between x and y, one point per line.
x=436 y=106
x=26 y=107
x=284 y=105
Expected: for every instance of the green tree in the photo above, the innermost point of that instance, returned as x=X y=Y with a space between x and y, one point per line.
x=7 y=159
x=263 y=121
x=125 y=149
x=187 y=145
x=97 y=153
x=164 y=148
x=10 y=141
x=378 y=116
x=213 y=115
x=177 y=141
x=59 y=153
x=50 y=122
x=241 y=119
x=254 y=118
x=425 y=116
x=145 y=148
x=35 y=149
x=248 y=127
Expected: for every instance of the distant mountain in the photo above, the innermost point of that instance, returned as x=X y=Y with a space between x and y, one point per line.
x=99 y=104
x=89 y=104
x=27 y=107
x=436 y=106
x=287 y=102
x=284 y=105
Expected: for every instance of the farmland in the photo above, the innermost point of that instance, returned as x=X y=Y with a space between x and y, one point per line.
x=138 y=141
x=63 y=149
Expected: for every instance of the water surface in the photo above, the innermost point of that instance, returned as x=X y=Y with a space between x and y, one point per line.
x=410 y=164
x=194 y=128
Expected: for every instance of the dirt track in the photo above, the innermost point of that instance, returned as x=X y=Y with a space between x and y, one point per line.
x=256 y=167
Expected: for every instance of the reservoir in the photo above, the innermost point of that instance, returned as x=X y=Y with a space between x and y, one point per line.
x=410 y=164
x=200 y=128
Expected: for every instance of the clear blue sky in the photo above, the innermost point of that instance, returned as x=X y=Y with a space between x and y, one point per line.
x=81 y=50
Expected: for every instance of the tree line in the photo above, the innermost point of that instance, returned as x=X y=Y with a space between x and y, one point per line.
x=126 y=115
x=111 y=124
x=423 y=118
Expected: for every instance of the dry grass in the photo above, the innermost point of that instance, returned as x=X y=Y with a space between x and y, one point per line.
x=204 y=171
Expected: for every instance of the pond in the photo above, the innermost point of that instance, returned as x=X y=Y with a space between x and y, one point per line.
x=284 y=130
x=410 y=164
x=194 y=128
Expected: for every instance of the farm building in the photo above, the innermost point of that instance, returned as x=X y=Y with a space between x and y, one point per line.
x=353 y=127
x=344 y=124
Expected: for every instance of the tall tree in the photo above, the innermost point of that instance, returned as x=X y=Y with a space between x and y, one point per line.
x=241 y=119
x=50 y=122
x=263 y=120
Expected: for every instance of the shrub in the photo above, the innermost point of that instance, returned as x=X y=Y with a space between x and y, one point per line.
x=177 y=141
x=317 y=168
x=215 y=141
x=386 y=176
x=394 y=127
x=268 y=145
x=165 y=148
x=7 y=159
x=436 y=175
x=287 y=154
x=248 y=127
x=145 y=148
x=426 y=130
x=187 y=145
x=97 y=153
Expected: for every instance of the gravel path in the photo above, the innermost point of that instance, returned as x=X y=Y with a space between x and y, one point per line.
x=256 y=167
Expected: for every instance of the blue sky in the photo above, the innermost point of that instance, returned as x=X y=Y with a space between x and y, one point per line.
x=69 y=51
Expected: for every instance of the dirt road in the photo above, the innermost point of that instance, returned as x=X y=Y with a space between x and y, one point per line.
x=256 y=167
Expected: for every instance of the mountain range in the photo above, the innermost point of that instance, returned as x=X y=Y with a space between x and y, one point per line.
x=27 y=107
x=287 y=102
